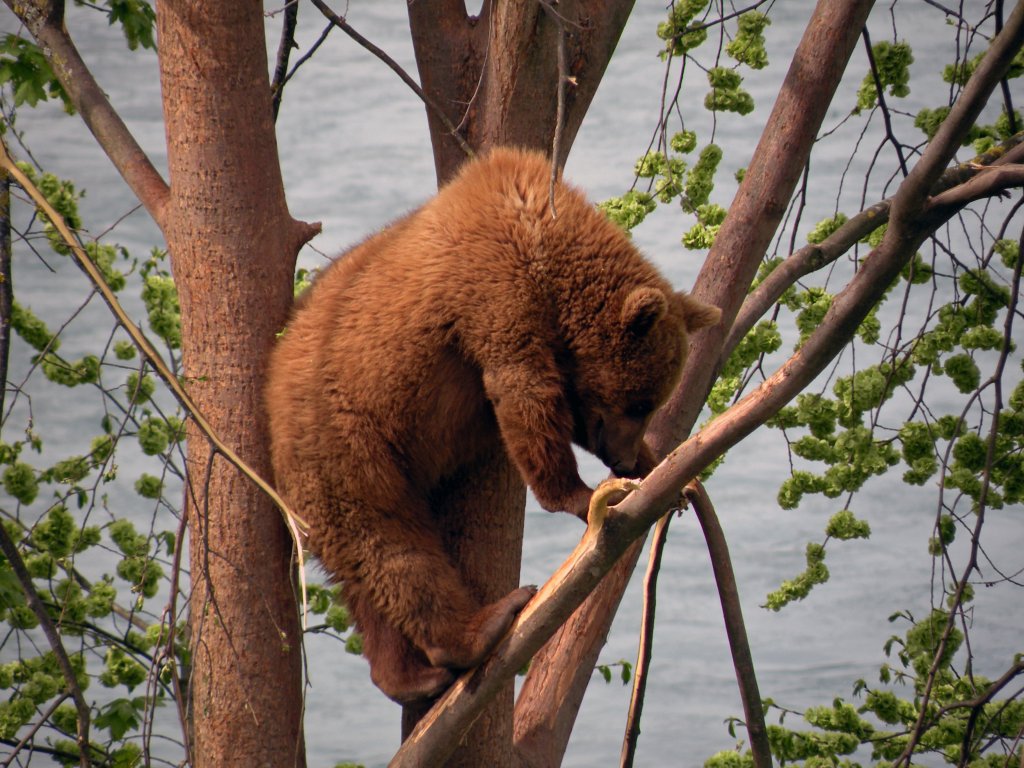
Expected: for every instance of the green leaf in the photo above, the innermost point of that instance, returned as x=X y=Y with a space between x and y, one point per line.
x=121 y=716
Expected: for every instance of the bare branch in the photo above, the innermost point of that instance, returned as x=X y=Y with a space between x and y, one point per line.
x=45 y=20
x=406 y=78
x=890 y=135
x=284 y=49
x=646 y=649
x=563 y=82
x=10 y=551
x=728 y=595
x=6 y=289
x=991 y=181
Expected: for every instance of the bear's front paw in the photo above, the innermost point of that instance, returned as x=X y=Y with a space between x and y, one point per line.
x=575 y=503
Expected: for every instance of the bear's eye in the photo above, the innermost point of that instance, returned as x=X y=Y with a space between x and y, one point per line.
x=638 y=410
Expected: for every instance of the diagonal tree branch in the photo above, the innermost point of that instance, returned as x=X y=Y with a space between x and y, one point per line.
x=10 y=551
x=296 y=525
x=45 y=21
x=952 y=186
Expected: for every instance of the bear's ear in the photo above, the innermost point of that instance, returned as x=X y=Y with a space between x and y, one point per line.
x=642 y=308
x=697 y=314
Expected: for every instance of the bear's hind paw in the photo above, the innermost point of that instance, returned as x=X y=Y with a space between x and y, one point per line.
x=483 y=631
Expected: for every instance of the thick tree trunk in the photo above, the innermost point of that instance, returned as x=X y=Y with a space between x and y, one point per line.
x=233 y=246
x=497 y=76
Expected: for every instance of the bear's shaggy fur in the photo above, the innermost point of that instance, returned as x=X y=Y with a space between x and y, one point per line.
x=475 y=321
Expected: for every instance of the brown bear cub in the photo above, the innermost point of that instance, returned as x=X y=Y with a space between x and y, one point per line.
x=477 y=321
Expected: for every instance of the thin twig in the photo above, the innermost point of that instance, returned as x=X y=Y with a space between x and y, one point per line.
x=345 y=27
x=880 y=93
x=6 y=289
x=563 y=82
x=10 y=551
x=645 y=652
x=284 y=50
x=732 y=612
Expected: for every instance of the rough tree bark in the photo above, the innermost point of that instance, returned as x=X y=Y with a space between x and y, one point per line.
x=497 y=77
x=233 y=246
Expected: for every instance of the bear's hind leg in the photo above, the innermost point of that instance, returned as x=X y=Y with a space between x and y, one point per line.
x=408 y=577
x=398 y=668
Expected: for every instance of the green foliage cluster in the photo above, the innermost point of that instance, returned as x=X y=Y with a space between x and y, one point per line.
x=725 y=94
x=25 y=69
x=748 y=45
x=883 y=722
x=679 y=31
x=61 y=513
x=671 y=177
x=892 y=64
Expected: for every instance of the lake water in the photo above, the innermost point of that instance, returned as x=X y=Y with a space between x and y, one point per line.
x=355 y=155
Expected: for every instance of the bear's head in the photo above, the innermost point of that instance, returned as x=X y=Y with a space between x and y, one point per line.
x=624 y=375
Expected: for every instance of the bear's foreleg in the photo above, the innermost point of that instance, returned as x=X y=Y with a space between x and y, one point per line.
x=537 y=428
